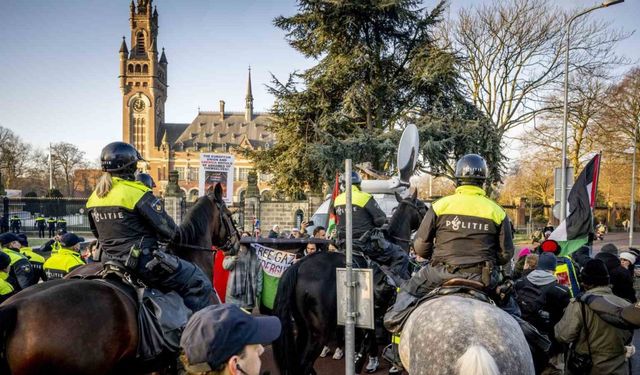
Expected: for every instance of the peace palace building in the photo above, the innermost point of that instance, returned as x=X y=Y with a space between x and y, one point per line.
x=177 y=146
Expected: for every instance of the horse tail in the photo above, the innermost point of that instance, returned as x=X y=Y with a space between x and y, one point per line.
x=8 y=318
x=477 y=361
x=285 y=350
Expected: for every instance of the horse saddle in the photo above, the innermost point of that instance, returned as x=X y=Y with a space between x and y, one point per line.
x=162 y=316
x=395 y=318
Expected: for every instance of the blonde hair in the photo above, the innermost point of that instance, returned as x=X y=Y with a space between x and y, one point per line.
x=531 y=262
x=104 y=185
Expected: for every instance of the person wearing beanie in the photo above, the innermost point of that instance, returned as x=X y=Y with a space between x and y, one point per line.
x=66 y=259
x=6 y=289
x=22 y=275
x=620 y=279
x=627 y=260
x=542 y=302
x=518 y=267
x=609 y=248
x=592 y=334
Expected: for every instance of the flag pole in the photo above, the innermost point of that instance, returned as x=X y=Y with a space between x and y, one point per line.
x=50 y=169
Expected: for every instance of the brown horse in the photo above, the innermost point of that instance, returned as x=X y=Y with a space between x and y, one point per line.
x=88 y=327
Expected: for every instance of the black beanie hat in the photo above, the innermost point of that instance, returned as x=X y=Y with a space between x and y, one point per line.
x=609 y=248
x=595 y=273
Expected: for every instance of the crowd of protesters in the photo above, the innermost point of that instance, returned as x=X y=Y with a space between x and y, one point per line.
x=554 y=294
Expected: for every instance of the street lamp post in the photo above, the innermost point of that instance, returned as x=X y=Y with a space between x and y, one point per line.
x=632 y=210
x=563 y=183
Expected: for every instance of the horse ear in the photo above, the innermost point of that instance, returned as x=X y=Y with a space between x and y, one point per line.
x=415 y=194
x=217 y=192
x=398 y=197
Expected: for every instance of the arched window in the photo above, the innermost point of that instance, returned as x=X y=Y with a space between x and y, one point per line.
x=130 y=68
x=140 y=43
x=138 y=68
x=145 y=68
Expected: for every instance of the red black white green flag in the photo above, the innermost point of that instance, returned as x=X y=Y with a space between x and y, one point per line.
x=333 y=219
x=574 y=231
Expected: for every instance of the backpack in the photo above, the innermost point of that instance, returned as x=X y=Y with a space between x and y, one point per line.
x=532 y=300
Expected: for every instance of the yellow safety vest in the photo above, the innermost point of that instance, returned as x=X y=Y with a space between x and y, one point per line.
x=5 y=287
x=14 y=255
x=32 y=256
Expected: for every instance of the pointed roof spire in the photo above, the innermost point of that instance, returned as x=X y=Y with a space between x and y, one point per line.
x=123 y=46
x=155 y=11
x=154 y=46
x=249 y=93
x=163 y=57
x=132 y=7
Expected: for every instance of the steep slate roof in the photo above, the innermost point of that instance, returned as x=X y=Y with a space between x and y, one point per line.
x=208 y=131
x=172 y=132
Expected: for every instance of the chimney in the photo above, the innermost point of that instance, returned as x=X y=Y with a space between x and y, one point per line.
x=222 y=110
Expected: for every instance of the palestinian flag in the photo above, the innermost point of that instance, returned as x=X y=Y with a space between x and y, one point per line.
x=333 y=219
x=574 y=232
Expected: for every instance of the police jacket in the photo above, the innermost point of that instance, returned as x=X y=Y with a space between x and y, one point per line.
x=467 y=228
x=61 y=263
x=51 y=222
x=6 y=289
x=366 y=213
x=41 y=222
x=36 y=261
x=22 y=274
x=128 y=215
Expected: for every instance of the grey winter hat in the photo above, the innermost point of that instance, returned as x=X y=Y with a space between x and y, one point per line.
x=609 y=248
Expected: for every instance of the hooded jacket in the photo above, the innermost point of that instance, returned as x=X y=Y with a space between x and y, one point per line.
x=606 y=341
x=621 y=281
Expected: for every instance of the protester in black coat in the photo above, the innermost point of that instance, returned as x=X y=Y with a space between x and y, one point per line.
x=621 y=281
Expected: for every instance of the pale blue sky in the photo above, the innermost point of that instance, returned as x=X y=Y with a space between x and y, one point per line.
x=59 y=60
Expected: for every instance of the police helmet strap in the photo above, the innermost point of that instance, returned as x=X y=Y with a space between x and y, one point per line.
x=120 y=158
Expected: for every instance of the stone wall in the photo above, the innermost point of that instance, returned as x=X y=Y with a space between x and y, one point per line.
x=271 y=213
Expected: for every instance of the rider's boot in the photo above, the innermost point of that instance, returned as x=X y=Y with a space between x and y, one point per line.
x=338 y=354
x=373 y=365
x=325 y=351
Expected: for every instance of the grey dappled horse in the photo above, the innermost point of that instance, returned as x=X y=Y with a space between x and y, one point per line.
x=460 y=335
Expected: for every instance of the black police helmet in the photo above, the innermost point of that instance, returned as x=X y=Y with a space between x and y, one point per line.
x=471 y=169
x=355 y=179
x=146 y=179
x=120 y=159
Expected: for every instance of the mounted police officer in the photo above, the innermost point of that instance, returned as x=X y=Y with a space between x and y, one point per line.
x=465 y=235
x=128 y=221
x=367 y=217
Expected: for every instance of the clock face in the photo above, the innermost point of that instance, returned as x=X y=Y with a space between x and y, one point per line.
x=138 y=105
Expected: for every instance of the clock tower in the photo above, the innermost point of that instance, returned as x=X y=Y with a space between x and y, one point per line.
x=143 y=81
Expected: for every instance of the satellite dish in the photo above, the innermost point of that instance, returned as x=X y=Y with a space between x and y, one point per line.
x=408 y=153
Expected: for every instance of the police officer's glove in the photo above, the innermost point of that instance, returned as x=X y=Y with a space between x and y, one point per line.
x=504 y=290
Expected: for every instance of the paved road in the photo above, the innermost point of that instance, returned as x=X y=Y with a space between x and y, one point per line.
x=328 y=366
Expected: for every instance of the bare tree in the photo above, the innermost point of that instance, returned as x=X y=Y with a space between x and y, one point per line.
x=586 y=109
x=67 y=158
x=512 y=55
x=14 y=156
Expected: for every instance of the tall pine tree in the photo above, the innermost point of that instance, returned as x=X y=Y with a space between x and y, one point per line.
x=378 y=67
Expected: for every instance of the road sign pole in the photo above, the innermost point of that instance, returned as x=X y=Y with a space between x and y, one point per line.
x=350 y=321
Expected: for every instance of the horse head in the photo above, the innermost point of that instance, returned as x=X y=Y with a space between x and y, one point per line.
x=406 y=218
x=224 y=234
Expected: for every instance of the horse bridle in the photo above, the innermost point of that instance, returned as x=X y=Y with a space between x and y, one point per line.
x=422 y=212
x=233 y=236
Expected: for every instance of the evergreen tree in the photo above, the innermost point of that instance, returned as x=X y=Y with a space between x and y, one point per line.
x=378 y=68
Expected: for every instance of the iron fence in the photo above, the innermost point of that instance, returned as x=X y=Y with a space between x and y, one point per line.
x=71 y=210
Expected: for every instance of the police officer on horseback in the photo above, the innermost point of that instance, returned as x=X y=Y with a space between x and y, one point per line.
x=367 y=218
x=128 y=221
x=466 y=234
